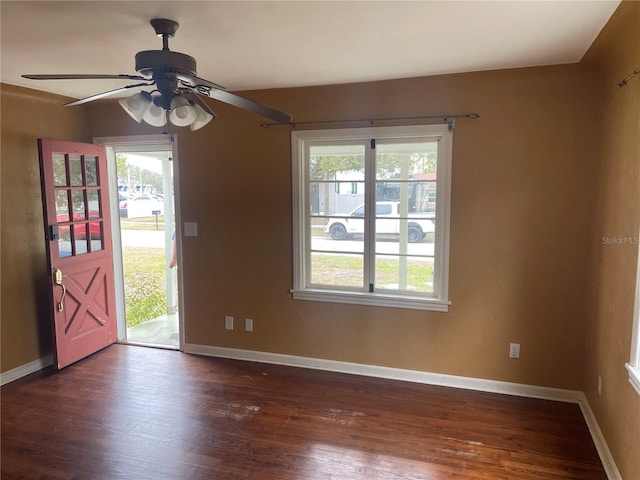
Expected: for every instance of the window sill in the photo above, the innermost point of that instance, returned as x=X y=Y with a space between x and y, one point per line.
x=634 y=376
x=373 y=299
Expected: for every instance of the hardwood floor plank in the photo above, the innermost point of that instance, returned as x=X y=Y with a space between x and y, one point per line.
x=133 y=412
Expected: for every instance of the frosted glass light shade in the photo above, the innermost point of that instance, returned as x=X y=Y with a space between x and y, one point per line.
x=202 y=119
x=136 y=105
x=182 y=112
x=155 y=116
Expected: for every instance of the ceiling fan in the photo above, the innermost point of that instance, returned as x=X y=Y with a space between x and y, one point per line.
x=177 y=87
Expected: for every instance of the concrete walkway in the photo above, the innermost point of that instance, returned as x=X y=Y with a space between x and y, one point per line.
x=162 y=331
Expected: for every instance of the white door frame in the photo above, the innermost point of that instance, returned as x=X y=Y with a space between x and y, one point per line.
x=142 y=143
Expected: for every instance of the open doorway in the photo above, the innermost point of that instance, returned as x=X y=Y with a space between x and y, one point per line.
x=141 y=177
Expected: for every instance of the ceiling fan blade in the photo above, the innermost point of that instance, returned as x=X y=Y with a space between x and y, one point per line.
x=250 y=105
x=195 y=98
x=105 y=94
x=90 y=76
x=195 y=82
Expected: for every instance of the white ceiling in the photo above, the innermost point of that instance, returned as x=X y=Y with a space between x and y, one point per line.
x=246 y=45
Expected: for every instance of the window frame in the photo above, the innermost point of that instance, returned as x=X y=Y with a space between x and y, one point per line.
x=633 y=367
x=301 y=232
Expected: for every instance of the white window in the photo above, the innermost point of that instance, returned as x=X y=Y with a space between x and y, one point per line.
x=385 y=241
x=634 y=363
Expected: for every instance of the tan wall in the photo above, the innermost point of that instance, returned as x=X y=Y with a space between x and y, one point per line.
x=610 y=297
x=522 y=182
x=26 y=116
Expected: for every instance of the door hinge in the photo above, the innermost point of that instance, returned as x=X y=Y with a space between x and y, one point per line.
x=373 y=143
x=371 y=288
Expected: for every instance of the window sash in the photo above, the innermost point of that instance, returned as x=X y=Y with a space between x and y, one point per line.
x=304 y=286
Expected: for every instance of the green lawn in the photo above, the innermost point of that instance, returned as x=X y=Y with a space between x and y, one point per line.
x=346 y=270
x=142 y=223
x=144 y=284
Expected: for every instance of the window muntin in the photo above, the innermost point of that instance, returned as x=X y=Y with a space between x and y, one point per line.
x=396 y=257
x=76 y=179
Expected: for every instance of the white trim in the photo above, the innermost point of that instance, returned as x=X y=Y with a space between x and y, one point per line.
x=428 y=378
x=372 y=299
x=633 y=366
x=26 y=369
x=143 y=143
x=415 y=376
x=599 y=441
x=634 y=376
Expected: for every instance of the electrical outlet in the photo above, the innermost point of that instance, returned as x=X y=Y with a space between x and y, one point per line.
x=248 y=324
x=514 y=350
x=228 y=323
x=599 y=385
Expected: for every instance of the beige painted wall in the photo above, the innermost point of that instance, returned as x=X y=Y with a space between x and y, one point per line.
x=610 y=298
x=522 y=183
x=26 y=116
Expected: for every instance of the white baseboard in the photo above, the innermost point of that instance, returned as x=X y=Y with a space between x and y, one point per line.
x=608 y=462
x=468 y=383
x=26 y=369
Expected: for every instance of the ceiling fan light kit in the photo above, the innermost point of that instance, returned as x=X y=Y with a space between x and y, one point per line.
x=203 y=118
x=182 y=113
x=178 y=89
x=155 y=116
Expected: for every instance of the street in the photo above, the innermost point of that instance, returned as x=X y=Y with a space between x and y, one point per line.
x=142 y=238
x=382 y=246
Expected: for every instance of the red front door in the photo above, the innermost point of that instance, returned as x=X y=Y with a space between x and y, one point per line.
x=77 y=230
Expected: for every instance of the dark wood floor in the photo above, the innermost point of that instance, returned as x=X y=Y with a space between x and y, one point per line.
x=142 y=413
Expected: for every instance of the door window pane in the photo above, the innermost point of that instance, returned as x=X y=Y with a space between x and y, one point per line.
x=75 y=166
x=80 y=238
x=59 y=170
x=96 y=234
x=79 y=211
x=91 y=170
x=93 y=202
x=64 y=244
x=62 y=206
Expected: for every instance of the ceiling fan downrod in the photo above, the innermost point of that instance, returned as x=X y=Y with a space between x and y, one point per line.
x=165 y=29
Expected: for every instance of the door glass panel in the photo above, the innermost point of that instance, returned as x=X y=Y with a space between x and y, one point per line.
x=59 y=171
x=75 y=165
x=80 y=238
x=64 y=244
x=93 y=202
x=78 y=205
x=62 y=206
x=91 y=167
x=95 y=232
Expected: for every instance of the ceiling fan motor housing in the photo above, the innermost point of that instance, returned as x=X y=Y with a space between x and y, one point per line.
x=153 y=62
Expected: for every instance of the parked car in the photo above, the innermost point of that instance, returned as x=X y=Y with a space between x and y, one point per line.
x=388 y=222
x=141 y=206
x=79 y=229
